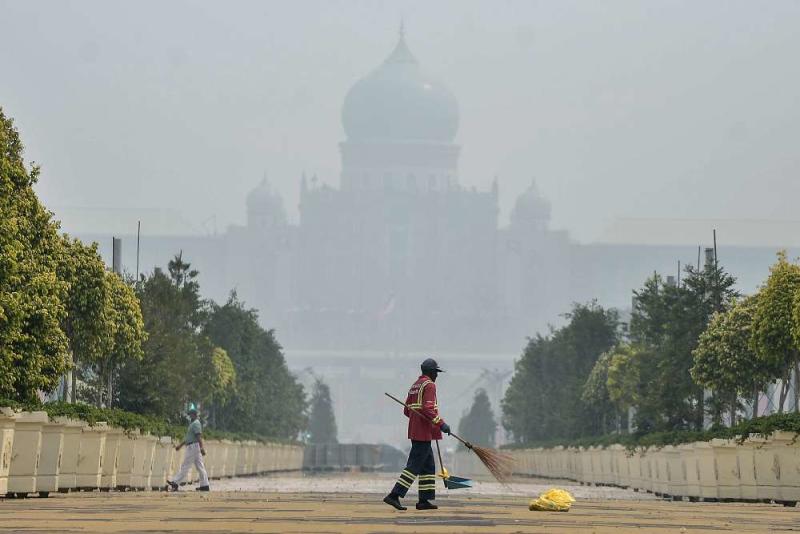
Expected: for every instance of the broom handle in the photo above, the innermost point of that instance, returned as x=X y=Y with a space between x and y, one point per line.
x=439 y=452
x=467 y=444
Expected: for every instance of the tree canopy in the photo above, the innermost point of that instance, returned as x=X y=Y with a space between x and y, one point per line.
x=479 y=426
x=775 y=337
x=267 y=399
x=33 y=346
x=543 y=400
x=321 y=420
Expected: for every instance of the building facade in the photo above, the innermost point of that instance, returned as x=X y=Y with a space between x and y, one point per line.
x=400 y=254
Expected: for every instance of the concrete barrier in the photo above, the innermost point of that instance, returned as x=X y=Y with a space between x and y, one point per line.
x=676 y=473
x=69 y=455
x=212 y=458
x=108 y=475
x=787 y=464
x=690 y=470
x=162 y=461
x=144 y=447
x=126 y=459
x=25 y=452
x=758 y=469
x=42 y=455
x=50 y=457
x=635 y=469
x=8 y=419
x=727 y=469
x=91 y=453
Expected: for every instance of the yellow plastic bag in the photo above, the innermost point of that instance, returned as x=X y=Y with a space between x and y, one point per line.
x=552 y=500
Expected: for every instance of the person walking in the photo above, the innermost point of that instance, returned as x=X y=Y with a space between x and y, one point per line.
x=421 y=431
x=193 y=455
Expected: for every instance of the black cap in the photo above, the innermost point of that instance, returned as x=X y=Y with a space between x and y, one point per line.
x=430 y=365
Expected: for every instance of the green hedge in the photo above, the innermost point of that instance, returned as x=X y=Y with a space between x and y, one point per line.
x=129 y=421
x=761 y=425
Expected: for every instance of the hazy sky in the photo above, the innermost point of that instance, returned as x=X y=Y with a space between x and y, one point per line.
x=620 y=110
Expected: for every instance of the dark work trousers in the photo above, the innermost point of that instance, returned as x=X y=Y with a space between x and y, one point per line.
x=420 y=464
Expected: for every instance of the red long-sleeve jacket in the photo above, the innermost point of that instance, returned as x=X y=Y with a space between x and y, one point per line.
x=422 y=398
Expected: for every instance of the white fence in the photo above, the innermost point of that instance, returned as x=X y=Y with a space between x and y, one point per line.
x=760 y=469
x=39 y=455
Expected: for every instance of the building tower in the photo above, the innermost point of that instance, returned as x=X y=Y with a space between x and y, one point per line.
x=400 y=123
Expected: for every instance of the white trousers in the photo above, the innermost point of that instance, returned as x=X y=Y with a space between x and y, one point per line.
x=191 y=457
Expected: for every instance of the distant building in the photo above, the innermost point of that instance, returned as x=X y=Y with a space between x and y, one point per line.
x=401 y=256
x=401 y=261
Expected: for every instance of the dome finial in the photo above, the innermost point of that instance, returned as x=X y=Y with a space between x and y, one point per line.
x=401 y=53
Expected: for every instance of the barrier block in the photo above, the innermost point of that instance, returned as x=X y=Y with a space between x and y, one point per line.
x=787 y=452
x=8 y=418
x=162 y=461
x=24 y=463
x=727 y=469
x=69 y=456
x=676 y=473
x=50 y=457
x=89 y=468
x=108 y=477
x=126 y=459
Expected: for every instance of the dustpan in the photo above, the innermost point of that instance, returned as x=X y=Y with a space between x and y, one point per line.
x=451 y=482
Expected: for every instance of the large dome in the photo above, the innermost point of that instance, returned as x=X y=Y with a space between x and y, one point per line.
x=398 y=101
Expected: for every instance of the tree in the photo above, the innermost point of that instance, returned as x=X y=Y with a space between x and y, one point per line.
x=596 y=398
x=88 y=323
x=267 y=398
x=478 y=426
x=216 y=376
x=623 y=376
x=129 y=333
x=725 y=360
x=33 y=347
x=543 y=399
x=774 y=330
x=666 y=322
x=164 y=380
x=321 y=421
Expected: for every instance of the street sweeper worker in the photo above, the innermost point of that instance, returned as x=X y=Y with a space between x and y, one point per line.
x=193 y=441
x=421 y=431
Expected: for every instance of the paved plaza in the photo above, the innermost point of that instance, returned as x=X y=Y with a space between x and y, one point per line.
x=325 y=504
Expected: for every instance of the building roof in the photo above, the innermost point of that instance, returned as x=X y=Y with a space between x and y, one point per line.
x=399 y=101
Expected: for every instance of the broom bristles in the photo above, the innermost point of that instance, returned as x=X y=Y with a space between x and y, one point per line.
x=499 y=464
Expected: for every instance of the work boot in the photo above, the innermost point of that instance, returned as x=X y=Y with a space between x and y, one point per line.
x=426 y=505
x=203 y=488
x=172 y=485
x=394 y=500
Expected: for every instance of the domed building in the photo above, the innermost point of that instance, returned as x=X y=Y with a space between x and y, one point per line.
x=400 y=123
x=398 y=254
x=398 y=259
x=399 y=101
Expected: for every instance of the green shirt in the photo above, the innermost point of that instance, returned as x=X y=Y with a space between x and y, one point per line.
x=194 y=430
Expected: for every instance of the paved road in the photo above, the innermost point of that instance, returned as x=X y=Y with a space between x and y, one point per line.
x=234 y=511
x=381 y=483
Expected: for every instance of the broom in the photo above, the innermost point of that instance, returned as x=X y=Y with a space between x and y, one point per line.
x=499 y=464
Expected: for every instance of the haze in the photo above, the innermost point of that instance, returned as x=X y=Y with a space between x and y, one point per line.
x=619 y=110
